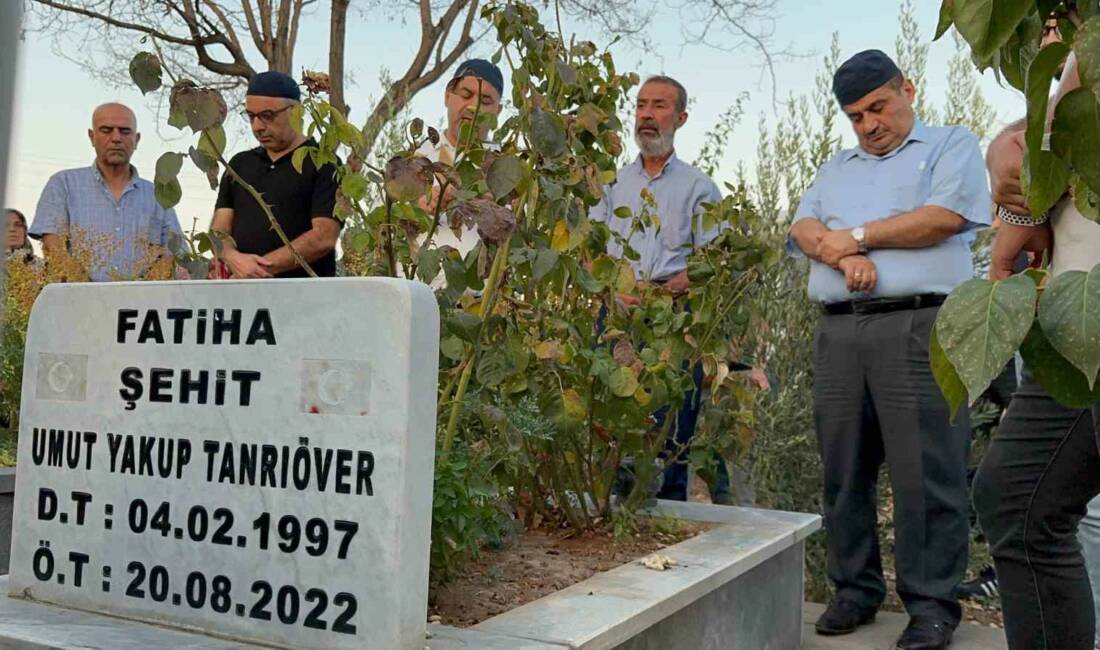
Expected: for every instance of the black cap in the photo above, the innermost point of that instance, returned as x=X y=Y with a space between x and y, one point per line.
x=863 y=73
x=274 y=84
x=481 y=69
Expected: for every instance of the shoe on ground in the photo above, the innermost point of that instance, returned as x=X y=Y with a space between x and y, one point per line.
x=843 y=617
x=984 y=586
x=925 y=634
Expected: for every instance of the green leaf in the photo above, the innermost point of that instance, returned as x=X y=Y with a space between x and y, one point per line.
x=947 y=18
x=463 y=324
x=545 y=261
x=428 y=263
x=354 y=186
x=1059 y=377
x=212 y=141
x=948 y=380
x=349 y=134
x=1086 y=45
x=622 y=382
x=452 y=347
x=1076 y=134
x=145 y=71
x=982 y=324
x=504 y=175
x=168 y=194
x=987 y=24
x=202 y=160
x=1046 y=173
x=1069 y=312
x=298 y=158
x=492 y=366
x=1086 y=201
x=547 y=133
x=168 y=166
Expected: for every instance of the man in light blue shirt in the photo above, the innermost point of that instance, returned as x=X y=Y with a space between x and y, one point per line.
x=887 y=227
x=105 y=215
x=668 y=195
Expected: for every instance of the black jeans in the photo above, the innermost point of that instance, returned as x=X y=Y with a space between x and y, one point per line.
x=875 y=400
x=1032 y=489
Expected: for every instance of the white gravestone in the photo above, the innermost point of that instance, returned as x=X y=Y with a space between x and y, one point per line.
x=252 y=460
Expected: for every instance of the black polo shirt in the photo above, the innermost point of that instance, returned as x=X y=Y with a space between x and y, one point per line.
x=295 y=199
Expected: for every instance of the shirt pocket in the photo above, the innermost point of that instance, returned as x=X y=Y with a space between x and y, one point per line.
x=907 y=190
x=676 y=231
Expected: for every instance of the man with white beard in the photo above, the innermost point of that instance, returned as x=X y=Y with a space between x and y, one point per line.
x=678 y=191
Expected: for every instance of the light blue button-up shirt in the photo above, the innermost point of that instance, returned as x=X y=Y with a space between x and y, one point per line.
x=678 y=192
x=78 y=201
x=939 y=166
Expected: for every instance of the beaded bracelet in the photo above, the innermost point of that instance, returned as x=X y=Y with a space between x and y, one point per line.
x=1010 y=217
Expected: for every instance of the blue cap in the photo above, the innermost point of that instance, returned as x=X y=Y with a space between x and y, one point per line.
x=863 y=73
x=274 y=84
x=481 y=69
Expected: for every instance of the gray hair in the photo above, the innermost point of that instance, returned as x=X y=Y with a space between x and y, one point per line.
x=681 y=92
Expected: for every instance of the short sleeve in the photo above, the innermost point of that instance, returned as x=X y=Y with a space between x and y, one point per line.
x=708 y=193
x=51 y=216
x=809 y=207
x=959 y=181
x=225 y=192
x=323 y=201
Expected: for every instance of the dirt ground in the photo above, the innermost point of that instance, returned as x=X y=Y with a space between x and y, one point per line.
x=542 y=562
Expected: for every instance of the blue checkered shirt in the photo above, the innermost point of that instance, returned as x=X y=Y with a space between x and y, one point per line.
x=77 y=201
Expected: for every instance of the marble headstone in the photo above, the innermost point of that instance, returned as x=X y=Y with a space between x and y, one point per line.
x=252 y=460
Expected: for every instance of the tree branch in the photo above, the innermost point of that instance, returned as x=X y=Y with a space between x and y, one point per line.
x=143 y=29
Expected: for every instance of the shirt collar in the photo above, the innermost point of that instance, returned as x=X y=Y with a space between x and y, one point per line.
x=260 y=151
x=919 y=133
x=99 y=175
x=640 y=166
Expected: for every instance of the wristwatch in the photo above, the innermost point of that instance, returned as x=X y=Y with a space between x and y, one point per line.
x=860 y=235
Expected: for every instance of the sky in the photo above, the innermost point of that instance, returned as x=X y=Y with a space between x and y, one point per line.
x=55 y=96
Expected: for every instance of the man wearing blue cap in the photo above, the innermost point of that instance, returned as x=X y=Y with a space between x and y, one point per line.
x=886 y=226
x=475 y=89
x=302 y=203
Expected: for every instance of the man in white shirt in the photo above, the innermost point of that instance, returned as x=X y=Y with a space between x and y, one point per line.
x=476 y=88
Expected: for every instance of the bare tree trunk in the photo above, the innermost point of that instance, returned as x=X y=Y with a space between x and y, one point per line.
x=338 y=23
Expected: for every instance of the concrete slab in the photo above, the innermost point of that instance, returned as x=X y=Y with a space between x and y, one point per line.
x=37 y=626
x=613 y=607
x=884 y=632
x=442 y=637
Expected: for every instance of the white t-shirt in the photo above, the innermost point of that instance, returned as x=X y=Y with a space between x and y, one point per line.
x=444 y=152
x=1076 y=239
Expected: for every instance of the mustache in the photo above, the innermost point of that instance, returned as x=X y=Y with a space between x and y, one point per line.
x=651 y=124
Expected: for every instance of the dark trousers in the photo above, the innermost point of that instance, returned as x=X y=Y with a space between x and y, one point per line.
x=1032 y=489
x=875 y=399
x=675 y=482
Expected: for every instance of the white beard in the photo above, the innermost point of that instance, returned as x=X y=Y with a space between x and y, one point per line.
x=655 y=146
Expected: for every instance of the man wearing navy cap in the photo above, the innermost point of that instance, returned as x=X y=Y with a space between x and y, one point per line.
x=887 y=227
x=302 y=203
x=475 y=89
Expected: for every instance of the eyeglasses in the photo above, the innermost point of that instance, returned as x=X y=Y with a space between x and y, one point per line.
x=267 y=117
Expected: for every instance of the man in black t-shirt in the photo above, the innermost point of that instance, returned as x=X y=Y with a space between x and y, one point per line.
x=302 y=203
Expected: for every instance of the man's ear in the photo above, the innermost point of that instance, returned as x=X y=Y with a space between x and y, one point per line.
x=681 y=119
x=137 y=139
x=909 y=90
x=91 y=137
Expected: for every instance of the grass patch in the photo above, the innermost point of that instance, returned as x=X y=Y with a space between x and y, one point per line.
x=8 y=439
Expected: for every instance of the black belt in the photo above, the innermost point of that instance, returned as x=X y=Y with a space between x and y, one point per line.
x=884 y=305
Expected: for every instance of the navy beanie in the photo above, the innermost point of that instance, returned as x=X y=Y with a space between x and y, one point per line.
x=863 y=73
x=481 y=69
x=274 y=84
